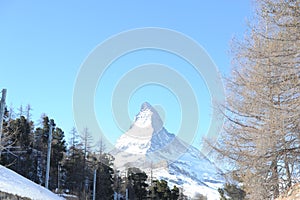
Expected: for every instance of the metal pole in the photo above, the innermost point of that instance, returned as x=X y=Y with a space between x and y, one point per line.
x=2 y=109
x=58 y=176
x=94 y=184
x=126 y=191
x=49 y=155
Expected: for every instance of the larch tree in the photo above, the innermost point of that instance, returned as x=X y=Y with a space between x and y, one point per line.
x=86 y=140
x=260 y=138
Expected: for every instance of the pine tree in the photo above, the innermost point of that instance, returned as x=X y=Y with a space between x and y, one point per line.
x=19 y=152
x=160 y=190
x=163 y=190
x=58 y=149
x=105 y=172
x=39 y=147
x=57 y=155
x=174 y=193
x=22 y=130
x=137 y=180
x=74 y=165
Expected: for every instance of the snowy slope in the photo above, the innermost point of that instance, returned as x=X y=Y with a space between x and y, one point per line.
x=192 y=170
x=13 y=183
x=189 y=185
x=149 y=146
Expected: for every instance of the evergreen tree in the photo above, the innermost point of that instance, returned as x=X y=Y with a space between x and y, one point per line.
x=105 y=172
x=160 y=190
x=80 y=165
x=18 y=155
x=22 y=132
x=58 y=151
x=74 y=165
x=174 y=193
x=163 y=190
x=40 y=155
x=137 y=180
x=39 y=152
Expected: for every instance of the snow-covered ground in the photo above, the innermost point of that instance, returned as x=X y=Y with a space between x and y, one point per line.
x=189 y=186
x=13 y=183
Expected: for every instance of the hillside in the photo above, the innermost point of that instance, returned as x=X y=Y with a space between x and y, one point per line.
x=13 y=183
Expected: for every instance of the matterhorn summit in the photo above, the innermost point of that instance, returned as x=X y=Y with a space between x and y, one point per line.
x=147 y=122
x=150 y=147
x=137 y=140
x=148 y=117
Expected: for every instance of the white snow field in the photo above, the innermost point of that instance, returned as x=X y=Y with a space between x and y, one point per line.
x=13 y=183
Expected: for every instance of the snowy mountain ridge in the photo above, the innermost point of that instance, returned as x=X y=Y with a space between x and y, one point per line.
x=150 y=147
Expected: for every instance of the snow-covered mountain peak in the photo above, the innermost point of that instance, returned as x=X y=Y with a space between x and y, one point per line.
x=148 y=117
x=146 y=106
x=137 y=140
x=150 y=147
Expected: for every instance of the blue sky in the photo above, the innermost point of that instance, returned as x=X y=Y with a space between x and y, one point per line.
x=43 y=44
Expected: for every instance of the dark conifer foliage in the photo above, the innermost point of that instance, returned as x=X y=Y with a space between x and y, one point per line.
x=137 y=183
x=26 y=148
x=105 y=174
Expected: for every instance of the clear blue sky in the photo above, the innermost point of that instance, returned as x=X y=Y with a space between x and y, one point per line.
x=44 y=43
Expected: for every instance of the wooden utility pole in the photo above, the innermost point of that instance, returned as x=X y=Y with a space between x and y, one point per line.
x=2 y=109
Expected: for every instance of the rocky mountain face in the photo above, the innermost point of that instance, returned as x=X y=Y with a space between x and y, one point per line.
x=150 y=147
